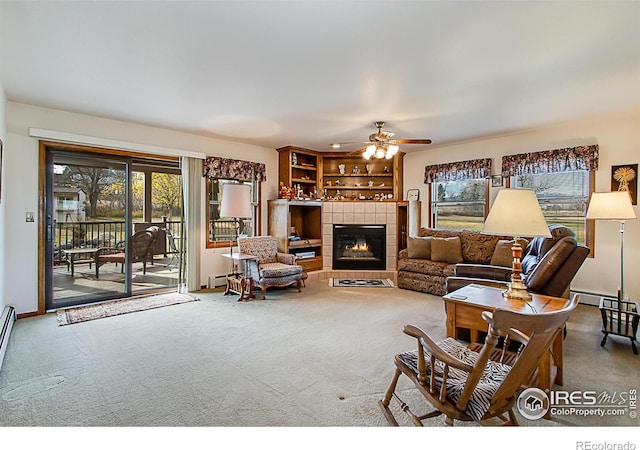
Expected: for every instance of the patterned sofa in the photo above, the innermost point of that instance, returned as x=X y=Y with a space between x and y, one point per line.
x=428 y=272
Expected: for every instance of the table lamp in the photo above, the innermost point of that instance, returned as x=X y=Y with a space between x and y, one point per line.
x=236 y=203
x=517 y=213
x=615 y=206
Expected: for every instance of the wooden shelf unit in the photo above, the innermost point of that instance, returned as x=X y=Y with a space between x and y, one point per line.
x=304 y=172
x=303 y=216
x=385 y=175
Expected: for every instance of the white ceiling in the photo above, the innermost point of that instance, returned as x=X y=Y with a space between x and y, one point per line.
x=310 y=73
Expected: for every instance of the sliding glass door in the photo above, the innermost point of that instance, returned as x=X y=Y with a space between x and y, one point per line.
x=113 y=227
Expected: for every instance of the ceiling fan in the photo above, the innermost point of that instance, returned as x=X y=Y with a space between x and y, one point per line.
x=381 y=145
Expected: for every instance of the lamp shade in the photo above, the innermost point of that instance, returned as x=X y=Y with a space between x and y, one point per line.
x=236 y=201
x=614 y=205
x=516 y=212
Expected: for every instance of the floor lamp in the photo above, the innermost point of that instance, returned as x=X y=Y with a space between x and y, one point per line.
x=615 y=206
x=517 y=213
x=236 y=203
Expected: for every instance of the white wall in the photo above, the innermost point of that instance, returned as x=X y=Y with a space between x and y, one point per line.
x=21 y=185
x=617 y=136
x=3 y=237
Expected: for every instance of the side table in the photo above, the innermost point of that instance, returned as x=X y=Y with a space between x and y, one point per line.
x=240 y=283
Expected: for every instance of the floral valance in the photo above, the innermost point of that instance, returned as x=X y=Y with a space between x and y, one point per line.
x=549 y=161
x=233 y=169
x=456 y=171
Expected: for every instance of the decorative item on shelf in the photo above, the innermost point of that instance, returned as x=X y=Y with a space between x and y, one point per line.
x=353 y=196
x=362 y=197
x=356 y=169
x=369 y=168
x=517 y=213
x=236 y=204
x=386 y=169
x=285 y=192
x=389 y=196
x=370 y=183
x=381 y=185
x=377 y=196
x=294 y=159
x=341 y=168
x=337 y=183
x=358 y=184
x=328 y=183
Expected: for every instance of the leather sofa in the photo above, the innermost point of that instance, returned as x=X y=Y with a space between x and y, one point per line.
x=548 y=266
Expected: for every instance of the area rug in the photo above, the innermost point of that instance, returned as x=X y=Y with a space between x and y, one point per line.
x=360 y=282
x=117 y=307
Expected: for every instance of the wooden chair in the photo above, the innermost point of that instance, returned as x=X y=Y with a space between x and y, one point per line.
x=466 y=385
x=141 y=243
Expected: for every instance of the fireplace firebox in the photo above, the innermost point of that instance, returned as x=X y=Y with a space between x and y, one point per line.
x=359 y=247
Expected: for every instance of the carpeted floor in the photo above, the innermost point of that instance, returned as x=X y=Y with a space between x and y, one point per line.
x=318 y=358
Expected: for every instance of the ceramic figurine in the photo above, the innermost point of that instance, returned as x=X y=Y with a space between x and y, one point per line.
x=356 y=169
x=341 y=168
x=369 y=168
x=294 y=159
x=370 y=183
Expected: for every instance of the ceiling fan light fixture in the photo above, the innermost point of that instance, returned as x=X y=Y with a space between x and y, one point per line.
x=380 y=152
x=391 y=151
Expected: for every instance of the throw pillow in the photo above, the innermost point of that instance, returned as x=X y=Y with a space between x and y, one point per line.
x=502 y=255
x=446 y=250
x=419 y=247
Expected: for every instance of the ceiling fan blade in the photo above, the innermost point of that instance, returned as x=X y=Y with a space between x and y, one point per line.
x=412 y=141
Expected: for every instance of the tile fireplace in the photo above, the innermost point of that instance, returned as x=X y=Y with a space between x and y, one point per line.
x=358 y=247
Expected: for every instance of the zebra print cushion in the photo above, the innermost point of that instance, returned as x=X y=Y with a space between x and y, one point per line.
x=494 y=374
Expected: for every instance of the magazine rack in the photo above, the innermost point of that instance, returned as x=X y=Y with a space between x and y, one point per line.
x=620 y=318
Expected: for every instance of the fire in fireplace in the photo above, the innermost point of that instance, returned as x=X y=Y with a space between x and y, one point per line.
x=359 y=247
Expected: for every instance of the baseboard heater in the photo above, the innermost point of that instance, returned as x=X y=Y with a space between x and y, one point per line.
x=6 y=325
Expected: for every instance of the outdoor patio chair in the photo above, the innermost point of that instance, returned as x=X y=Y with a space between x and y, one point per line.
x=141 y=242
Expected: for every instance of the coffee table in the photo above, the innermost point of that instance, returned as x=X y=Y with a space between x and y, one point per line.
x=464 y=309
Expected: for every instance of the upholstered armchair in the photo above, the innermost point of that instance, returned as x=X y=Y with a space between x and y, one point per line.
x=548 y=266
x=270 y=267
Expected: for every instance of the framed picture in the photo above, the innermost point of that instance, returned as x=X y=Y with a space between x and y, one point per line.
x=625 y=178
x=496 y=180
x=413 y=195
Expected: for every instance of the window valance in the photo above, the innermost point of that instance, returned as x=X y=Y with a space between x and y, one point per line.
x=456 y=171
x=234 y=169
x=549 y=161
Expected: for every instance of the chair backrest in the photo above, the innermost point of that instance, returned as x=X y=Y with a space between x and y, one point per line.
x=550 y=264
x=141 y=244
x=264 y=248
x=541 y=329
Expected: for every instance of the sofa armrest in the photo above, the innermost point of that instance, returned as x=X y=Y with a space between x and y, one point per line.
x=286 y=258
x=404 y=254
x=483 y=271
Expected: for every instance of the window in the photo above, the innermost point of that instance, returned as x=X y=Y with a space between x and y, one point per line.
x=458 y=205
x=221 y=230
x=563 y=197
